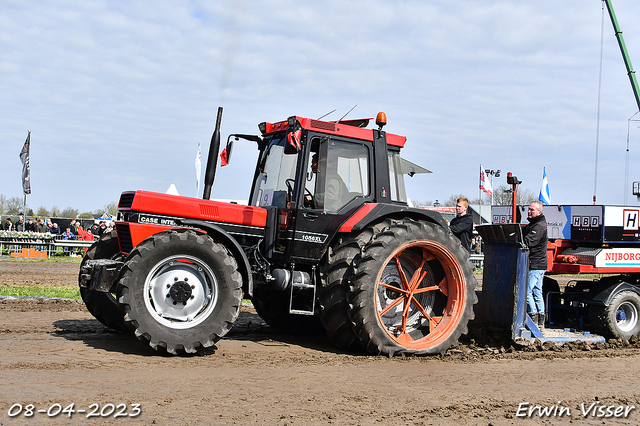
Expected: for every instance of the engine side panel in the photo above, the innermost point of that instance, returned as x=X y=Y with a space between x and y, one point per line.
x=154 y=203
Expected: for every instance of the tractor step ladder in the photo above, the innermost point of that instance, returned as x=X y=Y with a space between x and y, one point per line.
x=303 y=295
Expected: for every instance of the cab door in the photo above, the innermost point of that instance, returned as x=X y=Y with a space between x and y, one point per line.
x=336 y=183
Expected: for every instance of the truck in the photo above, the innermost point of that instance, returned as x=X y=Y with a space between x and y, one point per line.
x=600 y=246
x=327 y=241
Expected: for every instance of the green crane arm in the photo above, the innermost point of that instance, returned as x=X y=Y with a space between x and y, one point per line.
x=625 y=55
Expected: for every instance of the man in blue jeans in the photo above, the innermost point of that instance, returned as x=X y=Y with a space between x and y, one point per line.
x=535 y=237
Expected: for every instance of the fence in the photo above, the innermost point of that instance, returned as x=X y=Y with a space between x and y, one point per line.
x=477 y=260
x=40 y=246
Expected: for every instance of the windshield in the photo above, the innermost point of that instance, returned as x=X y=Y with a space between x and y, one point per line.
x=270 y=188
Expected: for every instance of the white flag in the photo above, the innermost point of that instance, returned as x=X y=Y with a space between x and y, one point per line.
x=485 y=185
x=545 y=196
x=198 y=169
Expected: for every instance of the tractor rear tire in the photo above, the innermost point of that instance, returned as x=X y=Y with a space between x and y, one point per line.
x=334 y=307
x=621 y=319
x=180 y=291
x=103 y=306
x=412 y=291
x=273 y=307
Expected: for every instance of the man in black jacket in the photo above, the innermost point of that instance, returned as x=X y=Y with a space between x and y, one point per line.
x=535 y=237
x=462 y=224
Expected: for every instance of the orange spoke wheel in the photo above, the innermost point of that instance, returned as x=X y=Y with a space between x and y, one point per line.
x=413 y=290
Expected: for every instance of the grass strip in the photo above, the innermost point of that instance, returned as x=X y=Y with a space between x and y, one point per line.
x=40 y=291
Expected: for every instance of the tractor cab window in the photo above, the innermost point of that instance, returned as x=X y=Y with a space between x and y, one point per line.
x=337 y=172
x=276 y=174
x=396 y=178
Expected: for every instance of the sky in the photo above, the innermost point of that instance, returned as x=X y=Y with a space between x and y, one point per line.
x=117 y=94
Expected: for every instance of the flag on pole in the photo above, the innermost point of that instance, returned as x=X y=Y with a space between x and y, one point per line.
x=198 y=169
x=26 y=171
x=545 y=196
x=485 y=185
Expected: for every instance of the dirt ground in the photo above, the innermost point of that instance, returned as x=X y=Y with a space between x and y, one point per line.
x=54 y=354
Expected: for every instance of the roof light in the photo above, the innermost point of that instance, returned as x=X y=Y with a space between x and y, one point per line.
x=262 y=127
x=291 y=121
x=381 y=120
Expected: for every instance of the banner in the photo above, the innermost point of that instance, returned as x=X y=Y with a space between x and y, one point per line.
x=485 y=185
x=26 y=171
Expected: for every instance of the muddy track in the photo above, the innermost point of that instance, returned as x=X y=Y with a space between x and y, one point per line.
x=54 y=352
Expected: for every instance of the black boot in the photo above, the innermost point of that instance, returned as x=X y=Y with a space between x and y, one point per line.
x=541 y=319
x=534 y=318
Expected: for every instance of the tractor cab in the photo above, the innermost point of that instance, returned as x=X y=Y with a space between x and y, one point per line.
x=317 y=174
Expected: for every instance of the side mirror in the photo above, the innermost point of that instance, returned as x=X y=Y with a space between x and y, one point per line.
x=293 y=142
x=225 y=155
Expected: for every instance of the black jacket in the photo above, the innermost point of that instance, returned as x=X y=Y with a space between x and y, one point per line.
x=535 y=237
x=462 y=227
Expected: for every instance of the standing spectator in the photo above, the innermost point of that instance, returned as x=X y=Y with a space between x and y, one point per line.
x=95 y=230
x=8 y=225
x=74 y=226
x=103 y=226
x=462 y=224
x=20 y=225
x=54 y=230
x=535 y=237
x=41 y=227
x=84 y=235
x=67 y=235
x=30 y=226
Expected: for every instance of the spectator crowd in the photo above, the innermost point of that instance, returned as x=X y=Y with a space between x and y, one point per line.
x=45 y=229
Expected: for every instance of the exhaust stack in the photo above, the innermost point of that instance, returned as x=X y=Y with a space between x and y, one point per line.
x=212 y=159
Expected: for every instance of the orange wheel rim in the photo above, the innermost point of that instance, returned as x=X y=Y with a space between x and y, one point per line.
x=420 y=294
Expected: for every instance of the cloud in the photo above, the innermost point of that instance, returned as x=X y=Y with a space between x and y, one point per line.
x=117 y=95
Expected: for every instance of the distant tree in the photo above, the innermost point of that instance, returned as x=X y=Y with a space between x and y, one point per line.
x=452 y=200
x=69 y=212
x=85 y=215
x=55 y=211
x=481 y=201
x=42 y=211
x=111 y=208
x=13 y=206
x=502 y=196
x=422 y=203
x=29 y=212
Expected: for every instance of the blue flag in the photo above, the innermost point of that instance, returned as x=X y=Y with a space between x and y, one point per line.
x=545 y=196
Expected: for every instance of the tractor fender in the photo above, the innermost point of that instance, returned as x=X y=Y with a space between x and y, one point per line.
x=232 y=245
x=373 y=212
x=605 y=296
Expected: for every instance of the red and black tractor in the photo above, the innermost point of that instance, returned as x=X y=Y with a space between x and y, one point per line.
x=327 y=241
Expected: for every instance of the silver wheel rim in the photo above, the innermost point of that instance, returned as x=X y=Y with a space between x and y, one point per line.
x=384 y=296
x=180 y=292
x=627 y=322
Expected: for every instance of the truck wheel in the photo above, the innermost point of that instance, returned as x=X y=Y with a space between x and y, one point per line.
x=103 y=306
x=412 y=291
x=273 y=307
x=620 y=319
x=180 y=291
x=334 y=307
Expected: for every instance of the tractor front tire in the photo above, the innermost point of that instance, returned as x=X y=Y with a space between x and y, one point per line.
x=621 y=319
x=180 y=291
x=103 y=306
x=412 y=290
